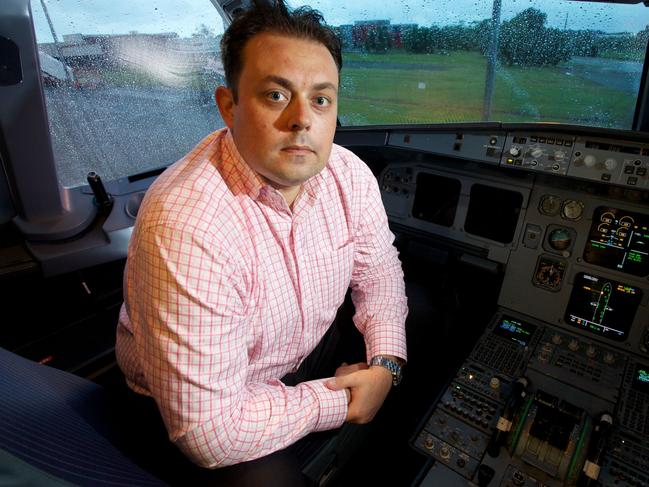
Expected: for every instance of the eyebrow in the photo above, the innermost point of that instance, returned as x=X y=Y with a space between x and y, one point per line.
x=289 y=86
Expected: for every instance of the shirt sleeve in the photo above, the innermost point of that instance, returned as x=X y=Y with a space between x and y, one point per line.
x=188 y=302
x=377 y=284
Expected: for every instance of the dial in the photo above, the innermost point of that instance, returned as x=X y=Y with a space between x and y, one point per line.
x=550 y=205
x=560 y=239
x=572 y=209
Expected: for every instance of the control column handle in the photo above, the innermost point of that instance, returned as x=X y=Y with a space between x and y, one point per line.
x=102 y=198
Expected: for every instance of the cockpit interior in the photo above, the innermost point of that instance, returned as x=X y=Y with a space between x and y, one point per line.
x=510 y=143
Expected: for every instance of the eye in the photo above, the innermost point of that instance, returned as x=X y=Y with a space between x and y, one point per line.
x=322 y=101
x=276 y=96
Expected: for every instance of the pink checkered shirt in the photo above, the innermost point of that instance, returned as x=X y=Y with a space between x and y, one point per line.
x=227 y=289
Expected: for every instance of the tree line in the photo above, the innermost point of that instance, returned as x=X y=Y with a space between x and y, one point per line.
x=524 y=40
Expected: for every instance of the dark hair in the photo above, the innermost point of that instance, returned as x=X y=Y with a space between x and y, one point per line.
x=273 y=16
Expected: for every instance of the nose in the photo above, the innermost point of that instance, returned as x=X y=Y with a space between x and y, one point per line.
x=299 y=116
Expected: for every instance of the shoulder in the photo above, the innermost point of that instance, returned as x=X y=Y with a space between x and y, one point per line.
x=350 y=173
x=344 y=162
x=191 y=194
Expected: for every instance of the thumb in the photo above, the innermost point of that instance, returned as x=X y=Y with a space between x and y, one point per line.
x=337 y=383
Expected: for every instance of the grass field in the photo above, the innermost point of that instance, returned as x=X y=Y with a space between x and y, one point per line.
x=420 y=88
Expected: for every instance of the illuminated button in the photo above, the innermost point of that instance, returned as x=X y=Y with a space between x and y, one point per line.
x=573 y=345
x=632 y=180
x=493 y=141
x=641 y=171
x=550 y=140
x=629 y=169
x=534 y=139
x=606 y=177
x=494 y=383
x=542 y=140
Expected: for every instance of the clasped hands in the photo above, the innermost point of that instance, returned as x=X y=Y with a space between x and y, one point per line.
x=366 y=388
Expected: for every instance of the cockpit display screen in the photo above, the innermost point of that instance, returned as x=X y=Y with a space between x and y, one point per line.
x=641 y=378
x=602 y=306
x=514 y=330
x=619 y=240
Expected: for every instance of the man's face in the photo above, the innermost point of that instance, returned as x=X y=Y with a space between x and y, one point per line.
x=284 y=121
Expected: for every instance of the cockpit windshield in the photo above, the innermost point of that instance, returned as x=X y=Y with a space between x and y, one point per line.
x=441 y=61
x=123 y=78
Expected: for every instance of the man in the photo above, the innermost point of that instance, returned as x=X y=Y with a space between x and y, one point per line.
x=243 y=252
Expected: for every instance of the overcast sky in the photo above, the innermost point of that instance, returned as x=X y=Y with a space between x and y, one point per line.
x=184 y=16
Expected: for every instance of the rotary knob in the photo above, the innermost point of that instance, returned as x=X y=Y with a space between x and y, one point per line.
x=559 y=155
x=573 y=345
x=609 y=358
x=591 y=352
x=556 y=339
x=494 y=383
x=515 y=151
x=610 y=164
x=536 y=152
x=429 y=442
x=590 y=160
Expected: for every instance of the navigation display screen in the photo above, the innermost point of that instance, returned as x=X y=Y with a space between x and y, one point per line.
x=619 y=240
x=602 y=306
x=514 y=330
x=641 y=378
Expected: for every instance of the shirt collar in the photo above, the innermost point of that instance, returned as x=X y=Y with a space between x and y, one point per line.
x=237 y=174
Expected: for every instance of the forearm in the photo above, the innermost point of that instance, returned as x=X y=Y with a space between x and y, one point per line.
x=381 y=310
x=268 y=417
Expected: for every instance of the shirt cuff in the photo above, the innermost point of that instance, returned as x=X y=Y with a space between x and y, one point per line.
x=385 y=342
x=333 y=405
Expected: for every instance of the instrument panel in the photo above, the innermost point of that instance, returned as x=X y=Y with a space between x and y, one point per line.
x=555 y=392
x=552 y=431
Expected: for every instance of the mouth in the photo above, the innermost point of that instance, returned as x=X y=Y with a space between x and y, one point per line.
x=298 y=149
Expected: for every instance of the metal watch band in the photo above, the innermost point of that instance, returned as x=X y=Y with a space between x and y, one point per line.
x=391 y=365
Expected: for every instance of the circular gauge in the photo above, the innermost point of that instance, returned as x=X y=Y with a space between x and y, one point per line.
x=550 y=205
x=560 y=239
x=572 y=210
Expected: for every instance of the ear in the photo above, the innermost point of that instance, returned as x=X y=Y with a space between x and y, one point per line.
x=225 y=102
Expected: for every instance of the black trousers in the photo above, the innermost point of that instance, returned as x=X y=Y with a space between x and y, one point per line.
x=149 y=444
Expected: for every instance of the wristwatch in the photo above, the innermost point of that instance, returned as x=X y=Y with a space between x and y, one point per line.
x=392 y=365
